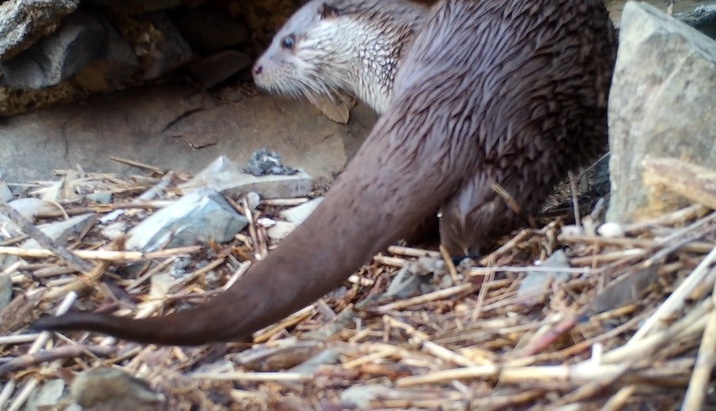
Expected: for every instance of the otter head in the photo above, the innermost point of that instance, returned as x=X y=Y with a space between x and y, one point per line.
x=309 y=55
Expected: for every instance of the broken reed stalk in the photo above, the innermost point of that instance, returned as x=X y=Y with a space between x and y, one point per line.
x=116 y=256
x=678 y=298
x=705 y=361
x=28 y=228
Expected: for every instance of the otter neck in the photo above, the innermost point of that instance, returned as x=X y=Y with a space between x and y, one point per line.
x=373 y=59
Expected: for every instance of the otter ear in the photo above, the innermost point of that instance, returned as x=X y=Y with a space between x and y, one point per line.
x=327 y=11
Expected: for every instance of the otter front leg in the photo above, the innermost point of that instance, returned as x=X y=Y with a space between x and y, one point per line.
x=474 y=217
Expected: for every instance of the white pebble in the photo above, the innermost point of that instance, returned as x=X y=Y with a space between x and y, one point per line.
x=610 y=230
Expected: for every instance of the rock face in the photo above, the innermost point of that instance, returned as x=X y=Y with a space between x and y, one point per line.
x=25 y=21
x=59 y=51
x=79 y=39
x=174 y=128
x=661 y=104
x=703 y=19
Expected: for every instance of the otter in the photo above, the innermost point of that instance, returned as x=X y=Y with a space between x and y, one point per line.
x=506 y=92
x=333 y=46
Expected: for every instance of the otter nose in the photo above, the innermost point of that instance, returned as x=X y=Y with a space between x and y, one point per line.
x=258 y=69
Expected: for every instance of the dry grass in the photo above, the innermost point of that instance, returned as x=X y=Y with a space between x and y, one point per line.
x=632 y=329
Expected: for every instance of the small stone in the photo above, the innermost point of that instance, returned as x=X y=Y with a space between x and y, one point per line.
x=29 y=207
x=299 y=213
x=253 y=199
x=280 y=230
x=272 y=186
x=47 y=395
x=112 y=389
x=113 y=230
x=360 y=396
x=225 y=176
x=60 y=232
x=101 y=198
x=5 y=192
x=661 y=105
x=216 y=175
x=5 y=291
x=611 y=230
x=533 y=287
x=219 y=67
x=200 y=215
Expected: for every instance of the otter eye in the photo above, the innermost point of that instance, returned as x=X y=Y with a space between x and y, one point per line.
x=287 y=42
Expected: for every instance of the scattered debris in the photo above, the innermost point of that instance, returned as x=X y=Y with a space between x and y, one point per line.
x=264 y=162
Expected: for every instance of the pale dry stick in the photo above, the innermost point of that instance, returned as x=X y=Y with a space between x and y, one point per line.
x=677 y=299
x=435 y=295
x=116 y=256
x=106 y=208
x=435 y=349
x=24 y=394
x=606 y=257
x=482 y=295
x=413 y=252
x=284 y=201
x=144 y=277
x=478 y=271
x=146 y=196
x=44 y=240
x=705 y=361
x=6 y=393
x=41 y=340
x=449 y=264
x=391 y=261
x=243 y=268
x=492 y=257
x=258 y=251
x=137 y=164
x=254 y=376
x=694 y=246
x=12 y=269
x=693 y=323
x=84 y=281
x=371 y=357
x=576 y=374
x=18 y=339
x=181 y=282
x=679 y=216
x=575 y=200
x=618 y=400
x=266 y=333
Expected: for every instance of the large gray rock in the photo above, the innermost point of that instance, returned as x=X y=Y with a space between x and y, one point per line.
x=78 y=41
x=22 y=22
x=662 y=103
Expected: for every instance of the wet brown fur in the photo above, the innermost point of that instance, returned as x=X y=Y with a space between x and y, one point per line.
x=510 y=92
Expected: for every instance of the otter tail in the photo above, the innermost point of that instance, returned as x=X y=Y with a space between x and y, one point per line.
x=407 y=167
